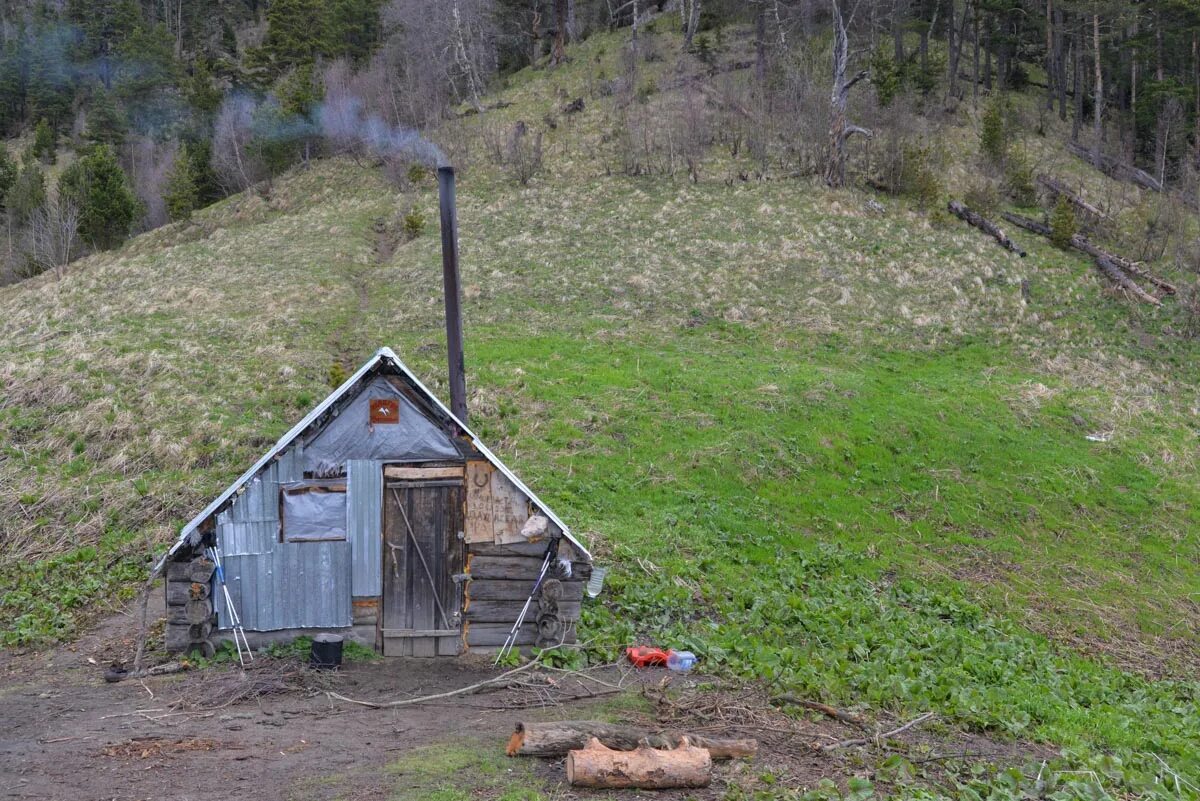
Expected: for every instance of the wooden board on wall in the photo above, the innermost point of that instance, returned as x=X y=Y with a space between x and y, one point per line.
x=496 y=509
x=510 y=510
x=479 y=502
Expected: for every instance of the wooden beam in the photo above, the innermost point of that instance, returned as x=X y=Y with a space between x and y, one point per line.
x=418 y=473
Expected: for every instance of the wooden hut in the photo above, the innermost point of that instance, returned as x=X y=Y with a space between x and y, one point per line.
x=382 y=517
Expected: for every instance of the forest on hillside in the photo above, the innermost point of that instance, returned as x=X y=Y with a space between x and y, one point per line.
x=123 y=115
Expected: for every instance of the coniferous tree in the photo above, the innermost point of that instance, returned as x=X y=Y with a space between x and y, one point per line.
x=28 y=192
x=45 y=142
x=50 y=89
x=106 y=122
x=8 y=176
x=182 y=196
x=100 y=190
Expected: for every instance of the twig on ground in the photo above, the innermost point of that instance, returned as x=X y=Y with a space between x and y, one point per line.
x=436 y=696
x=824 y=709
x=878 y=738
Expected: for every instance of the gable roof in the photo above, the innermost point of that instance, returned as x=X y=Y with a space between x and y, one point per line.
x=384 y=357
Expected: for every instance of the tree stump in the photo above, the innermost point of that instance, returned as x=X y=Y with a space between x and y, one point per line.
x=596 y=765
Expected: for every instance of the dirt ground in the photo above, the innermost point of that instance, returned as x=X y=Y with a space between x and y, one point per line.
x=208 y=734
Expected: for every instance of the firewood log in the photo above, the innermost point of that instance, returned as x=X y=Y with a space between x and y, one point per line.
x=556 y=738
x=963 y=213
x=595 y=765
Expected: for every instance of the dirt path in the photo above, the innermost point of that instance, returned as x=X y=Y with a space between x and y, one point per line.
x=69 y=735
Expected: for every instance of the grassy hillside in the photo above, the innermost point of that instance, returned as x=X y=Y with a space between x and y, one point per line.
x=823 y=446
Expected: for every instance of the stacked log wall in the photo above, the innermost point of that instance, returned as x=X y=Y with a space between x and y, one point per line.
x=191 y=618
x=500 y=580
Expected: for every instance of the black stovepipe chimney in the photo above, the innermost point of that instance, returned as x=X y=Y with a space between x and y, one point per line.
x=454 y=337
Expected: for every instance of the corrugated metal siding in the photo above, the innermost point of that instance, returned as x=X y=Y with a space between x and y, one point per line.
x=298 y=585
x=278 y=585
x=364 y=525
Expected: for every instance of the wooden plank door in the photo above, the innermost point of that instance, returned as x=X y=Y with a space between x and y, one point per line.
x=422 y=553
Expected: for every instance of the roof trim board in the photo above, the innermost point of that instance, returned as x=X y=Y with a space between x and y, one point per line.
x=382 y=356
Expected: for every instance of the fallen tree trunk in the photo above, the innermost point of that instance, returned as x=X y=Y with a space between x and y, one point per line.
x=554 y=739
x=1117 y=169
x=1084 y=245
x=963 y=213
x=595 y=765
x=1115 y=274
x=1057 y=187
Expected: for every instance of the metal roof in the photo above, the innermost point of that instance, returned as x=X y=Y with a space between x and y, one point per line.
x=383 y=356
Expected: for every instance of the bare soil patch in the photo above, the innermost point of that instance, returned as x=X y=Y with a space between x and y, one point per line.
x=223 y=733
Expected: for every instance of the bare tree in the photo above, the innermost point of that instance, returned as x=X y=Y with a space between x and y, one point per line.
x=559 y=51
x=236 y=169
x=689 y=17
x=149 y=165
x=839 y=128
x=54 y=235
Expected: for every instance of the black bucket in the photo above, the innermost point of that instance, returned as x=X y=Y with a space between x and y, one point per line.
x=326 y=652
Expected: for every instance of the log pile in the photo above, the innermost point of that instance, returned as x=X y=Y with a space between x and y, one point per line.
x=1116 y=269
x=190 y=615
x=501 y=579
x=960 y=210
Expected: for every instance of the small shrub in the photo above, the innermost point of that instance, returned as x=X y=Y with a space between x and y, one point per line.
x=45 y=143
x=417 y=174
x=337 y=375
x=1062 y=223
x=413 y=225
x=1019 y=181
x=994 y=132
x=523 y=155
x=646 y=91
x=919 y=177
x=983 y=196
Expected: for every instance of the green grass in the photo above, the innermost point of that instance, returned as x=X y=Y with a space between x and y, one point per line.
x=462 y=771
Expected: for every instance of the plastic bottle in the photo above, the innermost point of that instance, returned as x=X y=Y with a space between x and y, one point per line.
x=681 y=661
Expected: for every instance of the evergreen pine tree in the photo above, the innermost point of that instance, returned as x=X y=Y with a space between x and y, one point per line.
x=105 y=122
x=50 y=89
x=45 y=142
x=28 y=193
x=182 y=196
x=107 y=206
x=12 y=84
x=297 y=32
x=8 y=176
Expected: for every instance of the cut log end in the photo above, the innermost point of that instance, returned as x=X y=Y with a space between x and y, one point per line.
x=595 y=765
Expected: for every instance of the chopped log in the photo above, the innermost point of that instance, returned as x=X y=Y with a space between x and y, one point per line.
x=501 y=611
x=178 y=593
x=1058 y=188
x=530 y=549
x=509 y=590
x=1115 y=168
x=1084 y=245
x=176 y=636
x=513 y=567
x=556 y=738
x=493 y=635
x=198 y=611
x=961 y=211
x=201 y=570
x=200 y=631
x=594 y=765
x=198 y=591
x=179 y=571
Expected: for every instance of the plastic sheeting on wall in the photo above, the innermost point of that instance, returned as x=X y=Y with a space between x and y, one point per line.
x=351 y=435
x=314 y=515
